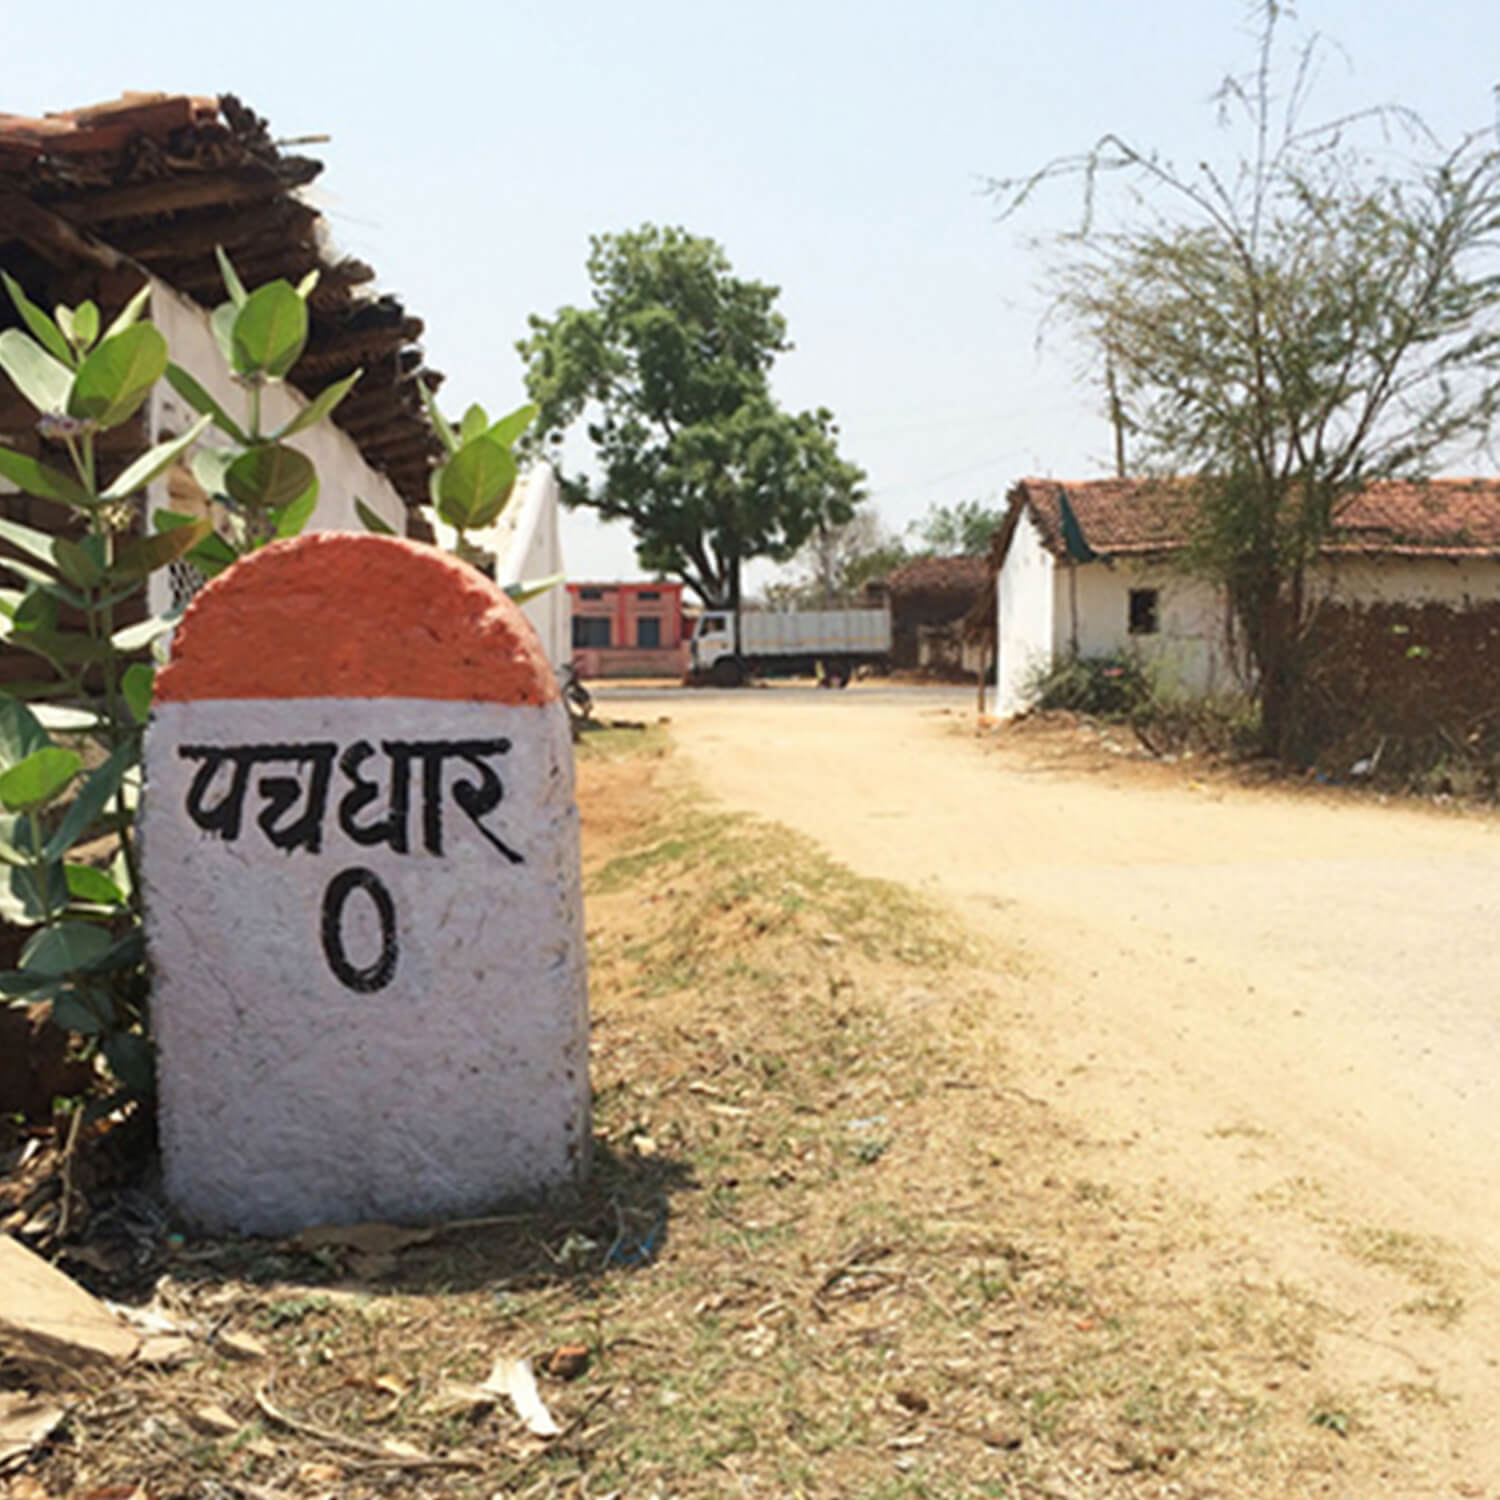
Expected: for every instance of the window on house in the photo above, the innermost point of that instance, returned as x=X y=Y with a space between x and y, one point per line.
x=648 y=632
x=590 y=593
x=1144 y=612
x=649 y=594
x=588 y=631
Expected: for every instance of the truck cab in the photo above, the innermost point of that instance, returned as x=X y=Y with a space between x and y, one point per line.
x=712 y=638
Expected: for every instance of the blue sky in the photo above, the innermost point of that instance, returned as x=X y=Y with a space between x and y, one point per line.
x=836 y=151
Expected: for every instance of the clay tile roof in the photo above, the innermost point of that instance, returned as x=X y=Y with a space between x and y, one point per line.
x=939 y=575
x=1393 y=518
x=153 y=182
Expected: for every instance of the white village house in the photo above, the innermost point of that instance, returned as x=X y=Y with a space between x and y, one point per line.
x=1092 y=569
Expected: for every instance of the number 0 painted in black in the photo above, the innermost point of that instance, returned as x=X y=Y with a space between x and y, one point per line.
x=373 y=976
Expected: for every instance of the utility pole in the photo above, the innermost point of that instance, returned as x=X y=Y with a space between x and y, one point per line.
x=1116 y=415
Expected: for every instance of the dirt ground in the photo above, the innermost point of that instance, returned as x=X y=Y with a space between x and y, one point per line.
x=1282 y=1004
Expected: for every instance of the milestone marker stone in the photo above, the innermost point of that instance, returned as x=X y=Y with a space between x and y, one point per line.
x=364 y=910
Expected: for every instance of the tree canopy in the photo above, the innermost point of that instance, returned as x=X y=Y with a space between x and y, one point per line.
x=1319 y=314
x=960 y=530
x=668 y=371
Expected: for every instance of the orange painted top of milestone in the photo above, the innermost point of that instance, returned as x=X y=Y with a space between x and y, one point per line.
x=335 y=615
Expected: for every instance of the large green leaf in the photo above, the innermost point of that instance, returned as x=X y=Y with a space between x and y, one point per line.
x=38 y=322
x=114 y=381
x=28 y=539
x=93 y=797
x=21 y=732
x=156 y=461
x=22 y=889
x=65 y=948
x=37 y=780
x=140 y=635
x=212 y=555
x=221 y=323
x=79 y=562
x=41 y=379
x=439 y=422
x=148 y=553
x=519 y=593
x=232 y=283
x=137 y=686
x=83 y=325
x=80 y=1009
x=271 y=475
x=63 y=647
x=509 y=428
x=130 y=314
x=320 y=406
x=45 y=582
x=291 y=519
x=59 y=718
x=209 y=466
x=475 y=421
x=201 y=400
x=475 y=483
x=377 y=524
x=40 y=480
x=85 y=883
x=36 y=611
x=270 y=331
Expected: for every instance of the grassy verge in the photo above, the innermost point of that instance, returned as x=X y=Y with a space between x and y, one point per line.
x=828 y=1249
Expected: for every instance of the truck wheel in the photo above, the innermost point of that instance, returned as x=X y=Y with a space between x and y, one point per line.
x=726 y=673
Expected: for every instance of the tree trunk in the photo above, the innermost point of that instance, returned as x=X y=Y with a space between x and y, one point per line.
x=734 y=598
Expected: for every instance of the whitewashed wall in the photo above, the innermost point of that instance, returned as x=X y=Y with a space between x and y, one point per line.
x=527 y=545
x=1024 y=613
x=1458 y=583
x=1189 y=654
x=343 y=473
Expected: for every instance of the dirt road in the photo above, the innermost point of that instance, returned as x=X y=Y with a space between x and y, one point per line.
x=1289 y=1006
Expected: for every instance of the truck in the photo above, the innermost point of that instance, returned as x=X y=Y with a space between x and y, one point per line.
x=829 y=643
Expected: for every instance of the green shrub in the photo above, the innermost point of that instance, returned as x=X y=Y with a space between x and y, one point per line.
x=1108 y=687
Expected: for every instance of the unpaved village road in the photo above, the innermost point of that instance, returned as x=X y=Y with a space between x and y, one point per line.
x=1248 y=993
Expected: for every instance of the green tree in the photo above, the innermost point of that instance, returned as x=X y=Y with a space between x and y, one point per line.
x=668 y=371
x=836 y=562
x=1284 y=331
x=961 y=530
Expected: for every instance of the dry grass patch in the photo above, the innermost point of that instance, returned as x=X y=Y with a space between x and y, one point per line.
x=829 y=1249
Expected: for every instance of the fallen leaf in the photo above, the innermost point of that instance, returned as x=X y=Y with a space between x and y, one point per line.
x=164 y=1351
x=398 y=1449
x=312 y=1473
x=514 y=1378
x=214 y=1420
x=913 y=1400
x=240 y=1346
x=567 y=1361
x=25 y=1424
x=366 y=1239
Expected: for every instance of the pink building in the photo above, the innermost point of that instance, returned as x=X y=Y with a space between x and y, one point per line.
x=628 y=629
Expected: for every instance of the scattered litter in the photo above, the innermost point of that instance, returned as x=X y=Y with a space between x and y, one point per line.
x=514 y=1378
x=50 y=1326
x=567 y=1361
x=164 y=1351
x=244 y=1346
x=214 y=1420
x=26 y=1422
x=870 y=1122
x=629 y=1250
x=364 y=1239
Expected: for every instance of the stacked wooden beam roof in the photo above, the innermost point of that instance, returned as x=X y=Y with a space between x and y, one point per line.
x=157 y=181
